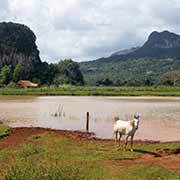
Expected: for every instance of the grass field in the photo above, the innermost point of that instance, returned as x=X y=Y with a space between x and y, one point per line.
x=4 y=131
x=52 y=156
x=94 y=91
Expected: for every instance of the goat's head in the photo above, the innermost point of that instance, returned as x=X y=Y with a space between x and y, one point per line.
x=136 y=120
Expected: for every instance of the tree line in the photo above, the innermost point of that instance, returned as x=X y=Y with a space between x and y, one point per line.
x=64 y=72
x=68 y=72
x=170 y=78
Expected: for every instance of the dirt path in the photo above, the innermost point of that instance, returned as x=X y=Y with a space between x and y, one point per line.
x=166 y=158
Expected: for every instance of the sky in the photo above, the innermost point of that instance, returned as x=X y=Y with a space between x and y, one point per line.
x=85 y=29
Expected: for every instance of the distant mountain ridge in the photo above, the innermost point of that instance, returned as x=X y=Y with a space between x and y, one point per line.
x=159 y=45
x=163 y=40
x=163 y=44
x=159 y=54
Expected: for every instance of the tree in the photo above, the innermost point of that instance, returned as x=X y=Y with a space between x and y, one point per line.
x=133 y=82
x=44 y=73
x=171 y=78
x=120 y=82
x=19 y=73
x=148 y=81
x=104 y=82
x=60 y=79
x=6 y=74
x=68 y=72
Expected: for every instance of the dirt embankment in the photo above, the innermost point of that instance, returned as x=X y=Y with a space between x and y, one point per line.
x=20 y=135
x=165 y=157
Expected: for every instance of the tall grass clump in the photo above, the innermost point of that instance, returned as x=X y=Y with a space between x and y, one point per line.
x=4 y=131
x=59 y=112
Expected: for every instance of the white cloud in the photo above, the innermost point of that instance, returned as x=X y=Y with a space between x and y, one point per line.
x=86 y=29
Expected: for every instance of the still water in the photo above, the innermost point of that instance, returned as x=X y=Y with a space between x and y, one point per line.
x=160 y=119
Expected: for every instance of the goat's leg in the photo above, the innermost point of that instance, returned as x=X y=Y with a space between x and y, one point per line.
x=116 y=136
x=120 y=135
x=132 y=142
x=126 y=141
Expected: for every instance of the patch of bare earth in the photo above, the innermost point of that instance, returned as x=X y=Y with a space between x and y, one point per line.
x=168 y=159
x=21 y=135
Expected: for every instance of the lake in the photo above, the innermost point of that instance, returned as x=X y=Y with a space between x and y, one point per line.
x=160 y=119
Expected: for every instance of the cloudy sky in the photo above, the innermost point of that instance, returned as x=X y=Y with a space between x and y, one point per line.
x=87 y=29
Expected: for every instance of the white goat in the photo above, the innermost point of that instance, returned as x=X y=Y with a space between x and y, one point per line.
x=127 y=128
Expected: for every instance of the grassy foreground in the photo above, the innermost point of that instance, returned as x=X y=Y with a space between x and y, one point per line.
x=51 y=156
x=95 y=91
x=4 y=131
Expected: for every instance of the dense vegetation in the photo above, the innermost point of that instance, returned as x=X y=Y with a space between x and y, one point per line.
x=64 y=72
x=4 y=130
x=67 y=72
x=131 y=72
x=53 y=156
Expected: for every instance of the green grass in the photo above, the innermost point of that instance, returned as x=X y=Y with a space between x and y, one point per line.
x=53 y=157
x=145 y=172
x=4 y=131
x=95 y=91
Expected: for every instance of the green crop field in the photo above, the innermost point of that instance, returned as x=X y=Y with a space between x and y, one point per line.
x=95 y=91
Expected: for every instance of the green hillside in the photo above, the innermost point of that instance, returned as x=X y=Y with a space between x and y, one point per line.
x=132 y=72
x=143 y=66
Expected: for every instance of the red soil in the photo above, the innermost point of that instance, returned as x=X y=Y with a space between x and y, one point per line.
x=20 y=135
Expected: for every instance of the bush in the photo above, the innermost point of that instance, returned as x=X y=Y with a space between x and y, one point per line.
x=12 y=85
x=6 y=75
x=4 y=130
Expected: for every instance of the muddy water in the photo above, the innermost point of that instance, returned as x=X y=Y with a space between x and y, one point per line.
x=160 y=116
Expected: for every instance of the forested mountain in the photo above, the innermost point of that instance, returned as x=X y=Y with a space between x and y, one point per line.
x=157 y=61
x=20 y=55
x=19 y=59
x=17 y=46
x=142 y=66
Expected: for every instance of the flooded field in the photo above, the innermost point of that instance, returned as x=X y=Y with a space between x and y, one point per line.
x=160 y=115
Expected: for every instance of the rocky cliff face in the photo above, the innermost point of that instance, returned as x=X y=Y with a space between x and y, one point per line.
x=159 y=45
x=17 y=46
x=163 y=40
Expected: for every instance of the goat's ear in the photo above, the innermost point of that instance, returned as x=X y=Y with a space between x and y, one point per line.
x=135 y=116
